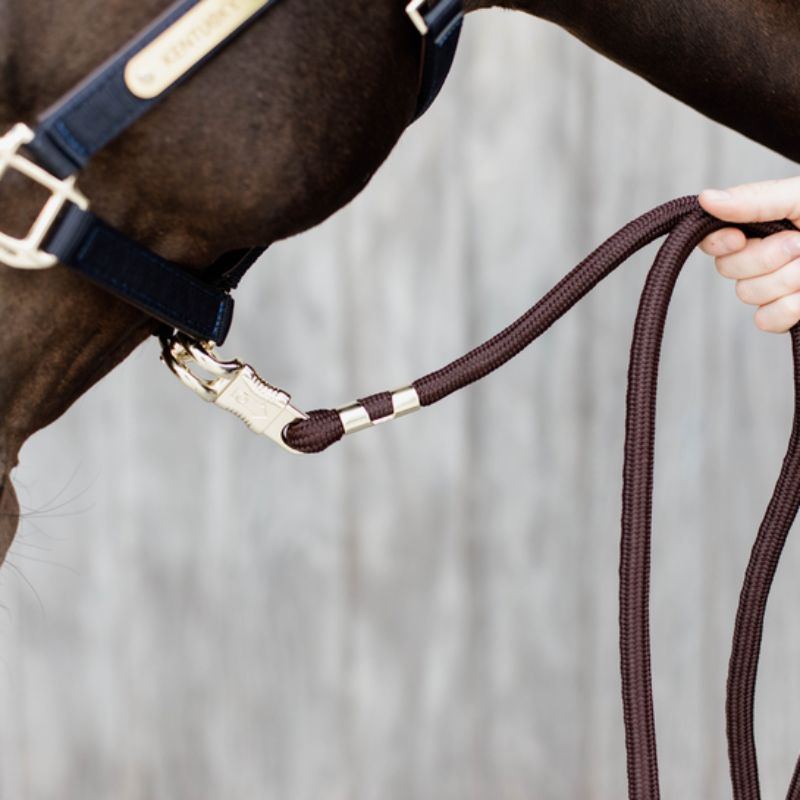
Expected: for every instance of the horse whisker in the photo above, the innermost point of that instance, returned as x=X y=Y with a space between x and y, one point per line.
x=30 y=586
x=44 y=561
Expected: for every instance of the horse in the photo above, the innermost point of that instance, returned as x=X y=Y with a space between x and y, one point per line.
x=161 y=240
x=285 y=145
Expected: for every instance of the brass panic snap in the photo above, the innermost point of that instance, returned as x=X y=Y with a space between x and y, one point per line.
x=233 y=386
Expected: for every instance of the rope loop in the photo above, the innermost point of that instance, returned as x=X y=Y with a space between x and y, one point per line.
x=686 y=225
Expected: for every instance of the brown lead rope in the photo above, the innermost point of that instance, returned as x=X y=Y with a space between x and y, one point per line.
x=237 y=388
x=636 y=535
x=748 y=631
x=689 y=225
x=324 y=428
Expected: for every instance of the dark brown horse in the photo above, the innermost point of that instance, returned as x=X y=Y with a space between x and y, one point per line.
x=306 y=106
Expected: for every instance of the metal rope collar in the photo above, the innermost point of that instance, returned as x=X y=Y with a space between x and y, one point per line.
x=112 y=99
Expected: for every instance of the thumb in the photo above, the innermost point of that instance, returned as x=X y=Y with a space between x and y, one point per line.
x=755 y=202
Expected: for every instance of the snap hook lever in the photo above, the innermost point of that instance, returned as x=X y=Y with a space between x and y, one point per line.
x=233 y=386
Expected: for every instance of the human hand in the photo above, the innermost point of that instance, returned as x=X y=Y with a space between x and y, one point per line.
x=766 y=271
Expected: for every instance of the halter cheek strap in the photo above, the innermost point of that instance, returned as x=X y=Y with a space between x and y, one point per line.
x=112 y=99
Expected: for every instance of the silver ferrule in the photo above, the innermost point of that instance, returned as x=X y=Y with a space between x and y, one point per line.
x=355 y=416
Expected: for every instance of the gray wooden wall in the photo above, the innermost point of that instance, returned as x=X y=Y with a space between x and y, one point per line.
x=428 y=611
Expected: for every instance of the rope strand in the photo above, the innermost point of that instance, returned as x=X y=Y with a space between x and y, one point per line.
x=687 y=224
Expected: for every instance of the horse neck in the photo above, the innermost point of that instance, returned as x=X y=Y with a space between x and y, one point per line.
x=6 y=44
x=736 y=61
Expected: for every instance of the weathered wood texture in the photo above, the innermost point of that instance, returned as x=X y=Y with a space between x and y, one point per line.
x=429 y=610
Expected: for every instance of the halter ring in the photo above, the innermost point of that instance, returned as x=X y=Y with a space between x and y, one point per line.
x=27 y=253
x=414 y=14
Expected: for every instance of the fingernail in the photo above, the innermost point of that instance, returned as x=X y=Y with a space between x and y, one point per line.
x=717 y=195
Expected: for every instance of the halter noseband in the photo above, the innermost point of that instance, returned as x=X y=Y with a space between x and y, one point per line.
x=106 y=104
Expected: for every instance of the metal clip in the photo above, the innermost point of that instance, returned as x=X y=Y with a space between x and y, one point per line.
x=27 y=253
x=234 y=386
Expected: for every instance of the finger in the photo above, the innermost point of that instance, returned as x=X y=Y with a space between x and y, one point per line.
x=769 y=288
x=723 y=242
x=760 y=256
x=779 y=316
x=755 y=202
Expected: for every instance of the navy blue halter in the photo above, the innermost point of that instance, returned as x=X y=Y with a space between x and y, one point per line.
x=103 y=107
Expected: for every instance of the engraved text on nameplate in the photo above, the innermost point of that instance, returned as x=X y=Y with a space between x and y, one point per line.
x=172 y=54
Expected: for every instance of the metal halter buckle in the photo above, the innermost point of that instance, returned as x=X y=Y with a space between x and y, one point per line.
x=27 y=253
x=415 y=15
x=234 y=386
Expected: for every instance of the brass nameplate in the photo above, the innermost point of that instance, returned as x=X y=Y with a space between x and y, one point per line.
x=169 y=57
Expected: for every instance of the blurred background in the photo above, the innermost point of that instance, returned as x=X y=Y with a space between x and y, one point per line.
x=429 y=609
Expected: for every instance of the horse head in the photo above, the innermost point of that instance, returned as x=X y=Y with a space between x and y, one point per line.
x=281 y=130
x=275 y=134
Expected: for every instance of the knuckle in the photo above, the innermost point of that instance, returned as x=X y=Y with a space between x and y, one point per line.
x=789 y=277
x=758 y=193
x=771 y=253
x=791 y=305
x=723 y=267
x=709 y=244
x=761 y=322
x=785 y=245
x=744 y=291
x=761 y=189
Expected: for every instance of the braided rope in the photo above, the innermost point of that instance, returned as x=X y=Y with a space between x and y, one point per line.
x=323 y=428
x=687 y=224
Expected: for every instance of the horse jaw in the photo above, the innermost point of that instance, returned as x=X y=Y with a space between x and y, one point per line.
x=51 y=354
x=9 y=515
x=9 y=506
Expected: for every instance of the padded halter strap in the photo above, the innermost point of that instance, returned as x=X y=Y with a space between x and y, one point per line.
x=441 y=30
x=104 y=106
